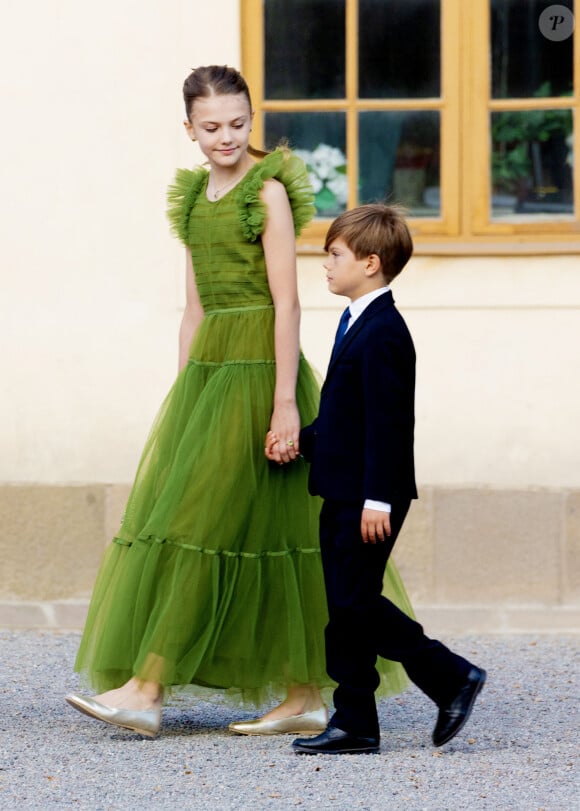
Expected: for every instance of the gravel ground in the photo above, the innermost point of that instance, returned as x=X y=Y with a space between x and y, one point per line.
x=518 y=751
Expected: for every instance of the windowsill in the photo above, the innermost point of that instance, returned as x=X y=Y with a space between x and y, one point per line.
x=484 y=246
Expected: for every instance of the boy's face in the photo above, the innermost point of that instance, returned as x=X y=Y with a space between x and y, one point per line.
x=346 y=275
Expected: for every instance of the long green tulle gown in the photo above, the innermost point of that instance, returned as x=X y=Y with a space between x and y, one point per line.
x=215 y=578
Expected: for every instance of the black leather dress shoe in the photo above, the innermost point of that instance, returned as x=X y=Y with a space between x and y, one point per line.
x=334 y=741
x=453 y=716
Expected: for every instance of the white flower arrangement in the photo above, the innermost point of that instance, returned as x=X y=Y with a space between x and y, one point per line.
x=326 y=167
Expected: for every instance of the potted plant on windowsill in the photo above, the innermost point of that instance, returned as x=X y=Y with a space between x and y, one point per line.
x=410 y=173
x=519 y=142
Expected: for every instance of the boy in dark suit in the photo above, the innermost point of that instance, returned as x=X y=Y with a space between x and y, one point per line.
x=361 y=452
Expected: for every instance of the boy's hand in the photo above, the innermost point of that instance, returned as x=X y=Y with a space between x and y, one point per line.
x=271 y=447
x=375 y=526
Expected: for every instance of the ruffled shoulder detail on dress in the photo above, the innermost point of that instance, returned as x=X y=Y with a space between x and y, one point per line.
x=290 y=170
x=181 y=197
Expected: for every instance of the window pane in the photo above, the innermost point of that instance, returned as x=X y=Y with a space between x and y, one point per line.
x=320 y=139
x=524 y=62
x=304 y=52
x=400 y=49
x=399 y=160
x=532 y=162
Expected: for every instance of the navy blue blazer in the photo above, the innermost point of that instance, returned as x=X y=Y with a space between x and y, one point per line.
x=361 y=444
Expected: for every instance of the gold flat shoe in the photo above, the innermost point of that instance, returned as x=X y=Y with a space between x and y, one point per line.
x=314 y=721
x=145 y=722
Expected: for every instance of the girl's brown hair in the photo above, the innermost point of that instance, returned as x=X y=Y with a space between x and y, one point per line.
x=216 y=80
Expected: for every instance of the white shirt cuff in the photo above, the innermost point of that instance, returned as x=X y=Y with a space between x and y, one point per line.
x=382 y=506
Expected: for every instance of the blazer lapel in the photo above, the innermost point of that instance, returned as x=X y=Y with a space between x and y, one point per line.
x=374 y=308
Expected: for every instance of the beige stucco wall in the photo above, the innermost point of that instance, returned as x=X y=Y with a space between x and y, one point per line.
x=92 y=282
x=92 y=289
x=91 y=134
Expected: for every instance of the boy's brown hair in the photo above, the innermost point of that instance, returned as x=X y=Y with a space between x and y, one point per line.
x=375 y=228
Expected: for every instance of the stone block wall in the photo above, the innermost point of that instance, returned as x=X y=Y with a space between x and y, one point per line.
x=473 y=559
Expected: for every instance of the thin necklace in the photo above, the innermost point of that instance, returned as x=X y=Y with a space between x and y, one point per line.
x=217 y=192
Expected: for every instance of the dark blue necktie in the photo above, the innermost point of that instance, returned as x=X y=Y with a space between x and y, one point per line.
x=340 y=332
x=342 y=325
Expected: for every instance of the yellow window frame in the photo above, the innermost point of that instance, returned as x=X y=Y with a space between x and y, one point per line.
x=464 y=224
x=482 y=105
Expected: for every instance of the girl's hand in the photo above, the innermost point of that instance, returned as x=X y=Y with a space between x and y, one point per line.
x=285 y=426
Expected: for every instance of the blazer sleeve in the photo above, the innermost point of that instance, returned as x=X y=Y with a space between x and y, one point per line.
x=389 y=393
x=307 y=436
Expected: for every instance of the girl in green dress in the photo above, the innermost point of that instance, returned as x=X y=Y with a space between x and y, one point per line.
x=214 y=579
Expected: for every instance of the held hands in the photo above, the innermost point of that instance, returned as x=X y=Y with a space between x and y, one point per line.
x=375 y=526
x=282 y=444
x=278 y=451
